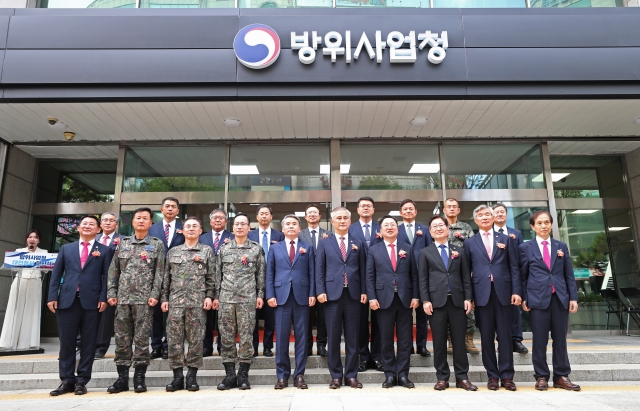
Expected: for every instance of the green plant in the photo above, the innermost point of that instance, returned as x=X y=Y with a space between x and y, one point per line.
x=590 y=297
x=378 y=183
x=596 y=255
x=75 y=192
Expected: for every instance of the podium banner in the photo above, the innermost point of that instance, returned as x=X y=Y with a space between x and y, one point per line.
x=25 y=259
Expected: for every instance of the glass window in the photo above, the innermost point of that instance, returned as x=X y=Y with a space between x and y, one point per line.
x=275 y=4
x=576 y=3
x=88 y=4
x=76 y=181
x=174 y=169
x=279 y=168
x=389 y=167
x=186 y=4
x=479 y=4
x=487 y=166
x=383 y=3
x=588 y=177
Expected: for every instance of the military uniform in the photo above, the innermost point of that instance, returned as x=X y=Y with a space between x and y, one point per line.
x=240 y=278
x=135 y=275
x=188 y=281
x=458 y=233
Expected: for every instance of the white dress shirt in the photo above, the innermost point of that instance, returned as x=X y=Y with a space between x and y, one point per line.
x=482 y=237
x=109 y=238
x=317 y=230
x=346 y=240
x=80 y=246
x=295 y=244
x=213 y=235
x=395 y=248
x=504 y=228
x=539 y=240
x=172 y=229
x=446 y=247
x=373 y=234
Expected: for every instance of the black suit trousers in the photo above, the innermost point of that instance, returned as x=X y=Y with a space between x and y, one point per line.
x=494 y=319
x=367 y=354
x=452 y=318
x=317 y=318
x=71 y=322
x=158 y=328
x=105 y=331
x=267 y=313
x=212 y=324
x=555 y=319
x=342 y=314
x=400 y=317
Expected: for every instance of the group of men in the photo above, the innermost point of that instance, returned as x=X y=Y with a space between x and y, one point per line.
x=340 y=279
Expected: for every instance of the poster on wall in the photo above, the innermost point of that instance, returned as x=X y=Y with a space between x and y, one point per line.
x=25 y=259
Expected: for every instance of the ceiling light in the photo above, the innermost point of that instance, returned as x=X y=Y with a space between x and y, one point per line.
x=69 y=135
x=344 y=168
x=395 y=213
x=299 y=213
x=584 y=211
x=419 y=122
x=232 y=122
x=243 y=170
x=424 y=169
x=555 y=177
x=618 y=228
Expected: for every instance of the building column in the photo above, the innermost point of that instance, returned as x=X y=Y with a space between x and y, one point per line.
x=336 y=181
x=632 y=171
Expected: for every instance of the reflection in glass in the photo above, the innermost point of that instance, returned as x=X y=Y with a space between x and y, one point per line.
x=76 y=181
x=91 y=4
x=479 y=4
x=390 y=167
x=186 y=4
x=576 y=3
x=383 y=3
x=278 y=168
x=274 y=4
x=588 y=177
x=174 y=169
x=486 y=166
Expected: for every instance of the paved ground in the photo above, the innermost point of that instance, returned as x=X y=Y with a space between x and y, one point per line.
x=593 y=397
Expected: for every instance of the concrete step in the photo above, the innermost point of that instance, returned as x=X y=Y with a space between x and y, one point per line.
x=420 y=375
x=28 y=365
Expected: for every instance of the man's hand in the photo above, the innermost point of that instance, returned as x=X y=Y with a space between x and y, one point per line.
x=524 y=306
x=374 y=305
x=427 y=307
x=272 y=302
x=102 y=307
x=363 y=298
x=573 y=306
x=259 y=303
x=415 y=303
x=516 y=299
x=467 y=306
x=152 y=302
x=112 y=301
x=164 y=307
x=207 y=303
x=322 y=298
x=312 y=301
x=53 y=306
x=215 y=305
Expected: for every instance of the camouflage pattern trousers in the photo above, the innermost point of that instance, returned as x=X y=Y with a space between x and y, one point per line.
x=471 y=322
x=236 y=318
x=133 y=326
x=188 y=324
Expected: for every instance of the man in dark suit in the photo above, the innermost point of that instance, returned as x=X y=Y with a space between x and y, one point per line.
x=169 y=230
x=416 y=235
x=392 y=289
x=496 y=287
x=550 y=294
x=445 y=289
x=515 y=236
x=214 y=239
x=312 y=235
x=341 y=287
x=266 y=237
x=77 y=295
x=367 y=232
x=108 y=237
x=291 y=290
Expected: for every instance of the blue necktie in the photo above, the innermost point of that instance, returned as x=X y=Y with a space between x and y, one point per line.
x=445 y=260
x=367 y=234
x=265 y=245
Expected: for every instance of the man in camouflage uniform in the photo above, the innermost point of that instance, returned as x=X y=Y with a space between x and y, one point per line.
x=458 y=232
x=239 y=280
x=134 y=285
x=187 y=291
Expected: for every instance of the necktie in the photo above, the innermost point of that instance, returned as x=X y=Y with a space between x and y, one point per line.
x=367 y=234
x=105 y=239
x=546 y=256
x=216 y=242
x=166 y=232
x=343 y=250
x=488 y=248
x=265 y=245
x=392 y=256
x=313 y=239
x=84 y=255
x=410 y=233
x=292 y=251
x=501 y=230
x=445 y=260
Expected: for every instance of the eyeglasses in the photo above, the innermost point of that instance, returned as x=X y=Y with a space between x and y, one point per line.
x=365 y=206
x=388 y=225
x=240 y=224
x=439 y=226
x=109 y=220
x=218 y=218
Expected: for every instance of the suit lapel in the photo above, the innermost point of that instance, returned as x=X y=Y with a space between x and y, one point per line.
x=75 y=252
x=295 y=258
x=536 y=251
x=554 y=252
x=481 y=243
x=433 y=248
x=337 y=248
x=285 y=251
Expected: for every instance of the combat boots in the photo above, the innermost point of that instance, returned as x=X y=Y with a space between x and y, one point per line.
x=178 y=380
x=192 y=383
x=243 y=376
x=138 y=379
x=469 y=345
x=230 y=381
x=122 y=383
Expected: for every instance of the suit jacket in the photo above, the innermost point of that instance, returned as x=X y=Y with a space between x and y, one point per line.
x=355 y=232
x=275 y=236
x=419 y=241
x=537 y=278
x=305 y=235
x=503 y=265
x=282 y=275
x=330 y=268
x=113 y=244
x=207 y=238
x=157 y=230
x=433 y=276
x=92 y=278
x=381 y=277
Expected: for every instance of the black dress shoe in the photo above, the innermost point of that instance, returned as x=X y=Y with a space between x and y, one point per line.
x=322 y=351
x=519 y=348
x=165 y=353
x=379 y=366
x=207 y=352
x=413 y=351
x=389 y=382
x=406 y=382
x=155 y=353
x=267 y=352
x=99 y=355
x=362 y=367
x=423 y=351
x=64 y=388
x=80 y=388
x=255 y=353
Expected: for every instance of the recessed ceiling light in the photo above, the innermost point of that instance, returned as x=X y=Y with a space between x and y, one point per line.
x=232 y=122
x=299 y=213
x=394 y=213
x=243 y=170
x=419 y=122
x=344 y=168
x=555 y=177
x=618 y=228
x=424 y=169
x=584 y=212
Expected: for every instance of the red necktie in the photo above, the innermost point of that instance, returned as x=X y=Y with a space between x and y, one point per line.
x=343 y=250
x=292 y=251
x=104 y=239
x=393 y=256
x=546 y=256
x=85 y=254
x=166 y=232
x=216 y=243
